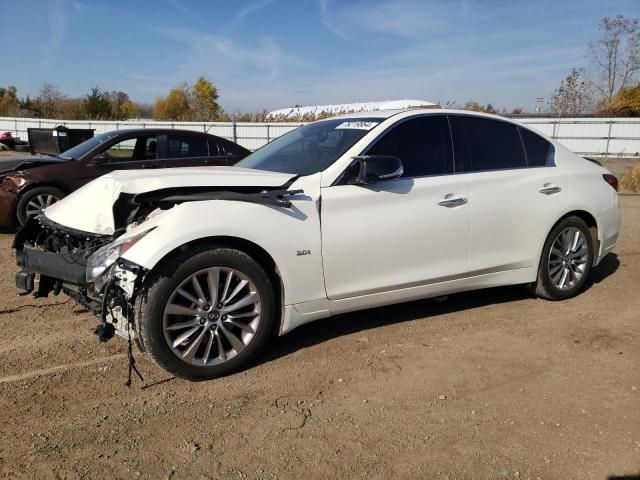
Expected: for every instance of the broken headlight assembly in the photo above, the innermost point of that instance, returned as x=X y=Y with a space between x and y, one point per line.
x=99 y=264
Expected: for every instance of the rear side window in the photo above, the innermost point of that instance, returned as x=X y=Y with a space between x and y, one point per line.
x=423 y=144
x=540 y=152
x=186 y=147
x=492 y=144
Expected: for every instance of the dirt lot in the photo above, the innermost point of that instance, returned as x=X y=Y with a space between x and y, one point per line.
x=490 y=384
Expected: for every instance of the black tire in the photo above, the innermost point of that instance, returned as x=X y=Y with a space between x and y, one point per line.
x=163 y=282
x=544 y=286
x=23 y=212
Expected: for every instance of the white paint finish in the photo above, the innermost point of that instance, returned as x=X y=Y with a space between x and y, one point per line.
x=392 y=234
x=100 y=194
x=510 y=217
x=279 y=231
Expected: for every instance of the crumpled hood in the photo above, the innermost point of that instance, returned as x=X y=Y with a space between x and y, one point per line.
x=90 y=209
x=27 y=162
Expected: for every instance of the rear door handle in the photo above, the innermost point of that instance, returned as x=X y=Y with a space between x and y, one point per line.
x=452 y=200
x=550 y=189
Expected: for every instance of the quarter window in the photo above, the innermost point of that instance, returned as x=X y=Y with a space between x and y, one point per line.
x=423 y=144
x=186 y=147
x=492 y=144
x=540 y=152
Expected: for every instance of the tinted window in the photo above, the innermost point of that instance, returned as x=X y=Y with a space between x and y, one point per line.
x=185 y=147
x=493 y=145
x=132 y=149
x=233 y=149
x=423 y=144
x=539 y=152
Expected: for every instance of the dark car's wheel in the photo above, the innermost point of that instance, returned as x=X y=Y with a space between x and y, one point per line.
x=566 y=260
x=206 y=314
x=34 y=201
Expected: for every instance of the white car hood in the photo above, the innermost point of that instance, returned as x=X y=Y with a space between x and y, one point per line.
x=90 y=208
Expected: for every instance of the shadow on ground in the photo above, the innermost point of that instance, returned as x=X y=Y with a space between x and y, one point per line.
x=345 y=324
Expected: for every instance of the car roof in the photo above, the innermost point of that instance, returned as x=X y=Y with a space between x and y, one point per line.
x=416 y=111
x=157 y=130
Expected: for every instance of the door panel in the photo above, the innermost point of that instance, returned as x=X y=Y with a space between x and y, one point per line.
x=510 y=216
x=393 y=234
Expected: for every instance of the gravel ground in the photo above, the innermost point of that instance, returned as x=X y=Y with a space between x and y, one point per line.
x=489 y=384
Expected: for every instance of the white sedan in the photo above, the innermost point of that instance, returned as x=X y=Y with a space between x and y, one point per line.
x=202 y=265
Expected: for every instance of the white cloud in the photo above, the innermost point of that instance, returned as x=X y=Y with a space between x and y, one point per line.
x=57 y=20
x=250 y=8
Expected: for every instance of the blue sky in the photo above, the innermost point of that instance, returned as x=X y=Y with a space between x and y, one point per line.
x=277 y=53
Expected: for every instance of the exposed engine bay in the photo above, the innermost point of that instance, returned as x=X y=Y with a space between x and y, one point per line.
x=88 y=266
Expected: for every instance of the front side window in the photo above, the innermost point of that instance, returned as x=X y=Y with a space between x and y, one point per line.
x=423 y=144
x=311 y=148
x=492 y=144
x=180 y=146
x=540 y=153
x=133 y=149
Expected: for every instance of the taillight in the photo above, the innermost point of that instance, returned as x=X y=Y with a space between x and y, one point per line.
x=611 y=180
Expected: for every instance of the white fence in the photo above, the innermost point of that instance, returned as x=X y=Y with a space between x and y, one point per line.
x=613 y=137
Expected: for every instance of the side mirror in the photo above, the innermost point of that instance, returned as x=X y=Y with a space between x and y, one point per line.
x=100 y=159
x=377 y=168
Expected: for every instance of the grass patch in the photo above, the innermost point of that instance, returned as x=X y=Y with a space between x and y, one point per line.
x=630 y=180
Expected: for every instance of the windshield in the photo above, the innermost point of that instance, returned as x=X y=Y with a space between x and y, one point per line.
x=81 y=150
x=311 y=148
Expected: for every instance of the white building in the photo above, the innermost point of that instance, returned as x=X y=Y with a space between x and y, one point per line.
x=351 y=107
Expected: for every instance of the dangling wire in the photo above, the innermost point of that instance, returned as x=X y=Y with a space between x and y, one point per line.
x=132 y=361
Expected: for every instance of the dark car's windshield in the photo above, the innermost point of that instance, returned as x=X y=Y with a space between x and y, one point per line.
x=79 y=151
x=311 y=148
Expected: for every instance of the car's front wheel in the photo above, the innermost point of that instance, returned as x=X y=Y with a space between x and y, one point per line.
x=566 y=260
x=207 y=314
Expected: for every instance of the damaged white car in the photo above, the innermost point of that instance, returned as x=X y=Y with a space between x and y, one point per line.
x=202 y=265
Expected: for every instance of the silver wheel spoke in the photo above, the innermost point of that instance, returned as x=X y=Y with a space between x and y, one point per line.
x=213 y=280
x=248 y=300
x=207 y=350
x=235 y=342
x=183 y=325
x=240 y=325
x=198 y=289
x=190 y=297
x=182 y=337
x=227 y=284
x=191 y=350
x=221 y=355
x=175 y=309
x=235 y=316
x=236 y=290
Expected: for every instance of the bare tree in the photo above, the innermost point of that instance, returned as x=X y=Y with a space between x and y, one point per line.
x=616 y=54
x=49 y=100
x=573 y=96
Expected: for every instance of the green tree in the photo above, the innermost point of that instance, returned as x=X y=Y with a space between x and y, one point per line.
x=9 y=104
x=96 y=105
x=203 y=101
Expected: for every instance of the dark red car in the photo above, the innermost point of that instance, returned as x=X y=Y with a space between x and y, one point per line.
x=28 y=185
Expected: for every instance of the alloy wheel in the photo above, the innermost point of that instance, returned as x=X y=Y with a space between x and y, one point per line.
x=568 y=258
x=38 y=203
x=212 y=316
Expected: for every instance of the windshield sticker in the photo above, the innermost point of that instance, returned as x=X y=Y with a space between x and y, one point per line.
x=357 y=125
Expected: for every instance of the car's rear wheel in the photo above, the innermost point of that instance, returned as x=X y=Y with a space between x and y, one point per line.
x=206 y=315
x=566 y=260
x=34 y=201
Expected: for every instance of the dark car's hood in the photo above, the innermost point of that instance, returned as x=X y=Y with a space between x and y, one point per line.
x=27 y=162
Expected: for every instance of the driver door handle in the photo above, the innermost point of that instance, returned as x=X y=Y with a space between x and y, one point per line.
x=451 y=200
x=550 y=189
